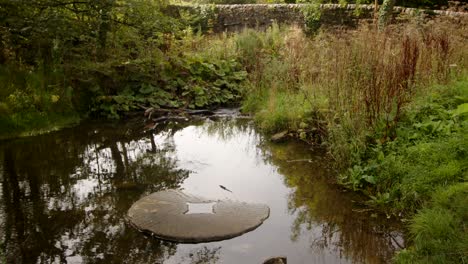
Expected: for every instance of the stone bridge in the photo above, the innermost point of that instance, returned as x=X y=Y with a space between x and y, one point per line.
x=237 y=17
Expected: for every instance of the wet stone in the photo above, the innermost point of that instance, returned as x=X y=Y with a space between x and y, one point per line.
x=276 y=260
x=166 y=215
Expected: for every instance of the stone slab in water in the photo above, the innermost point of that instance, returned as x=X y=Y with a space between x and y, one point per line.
x=165 y=215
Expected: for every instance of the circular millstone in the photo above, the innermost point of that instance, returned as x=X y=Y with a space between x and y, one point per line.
x=166 y=215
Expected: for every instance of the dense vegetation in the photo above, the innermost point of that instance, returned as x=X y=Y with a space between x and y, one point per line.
x=371 y=98
x=389 y=105
x=62 y=60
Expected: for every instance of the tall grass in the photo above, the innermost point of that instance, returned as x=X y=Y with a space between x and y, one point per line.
x=439 y=232
x=357 y=81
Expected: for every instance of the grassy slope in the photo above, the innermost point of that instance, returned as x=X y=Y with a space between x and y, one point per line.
x=426 y=169
x=431 y=172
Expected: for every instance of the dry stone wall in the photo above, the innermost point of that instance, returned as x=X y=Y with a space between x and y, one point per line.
x=237 y=17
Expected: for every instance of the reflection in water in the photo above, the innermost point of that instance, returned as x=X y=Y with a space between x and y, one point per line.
x=203 y=255
x=64 y=197
x=325 y=214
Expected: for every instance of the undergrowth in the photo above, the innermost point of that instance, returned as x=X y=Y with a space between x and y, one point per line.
x=136 y=57
x=425 y=170
x=438 y=231
x=31 y=103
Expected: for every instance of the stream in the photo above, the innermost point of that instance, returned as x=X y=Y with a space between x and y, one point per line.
x=64 y=196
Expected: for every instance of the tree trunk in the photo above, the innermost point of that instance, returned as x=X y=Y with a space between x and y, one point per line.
x=385 y=15
x=104 y=28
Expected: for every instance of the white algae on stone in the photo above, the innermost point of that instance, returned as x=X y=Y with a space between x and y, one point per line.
x=164 y=215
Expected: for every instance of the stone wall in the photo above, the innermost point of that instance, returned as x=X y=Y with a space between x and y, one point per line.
x=237 y=17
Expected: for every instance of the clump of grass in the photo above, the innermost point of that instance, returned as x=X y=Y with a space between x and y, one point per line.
x=438 y=232
x=284 y=110
x=430 y=150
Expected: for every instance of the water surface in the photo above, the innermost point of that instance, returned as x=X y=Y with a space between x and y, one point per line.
x=64 y=196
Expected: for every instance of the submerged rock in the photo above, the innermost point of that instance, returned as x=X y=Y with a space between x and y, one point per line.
x=166 y=215
x=276 y=260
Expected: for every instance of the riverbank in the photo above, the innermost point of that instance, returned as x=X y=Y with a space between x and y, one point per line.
x=390 y=108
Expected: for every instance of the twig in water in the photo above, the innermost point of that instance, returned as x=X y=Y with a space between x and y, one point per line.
x=224 y=188
x=300 y=160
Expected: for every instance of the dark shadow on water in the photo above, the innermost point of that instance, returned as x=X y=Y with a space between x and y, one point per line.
x=65 y=195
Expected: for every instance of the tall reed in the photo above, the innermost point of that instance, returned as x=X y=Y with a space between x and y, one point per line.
x=357 y=81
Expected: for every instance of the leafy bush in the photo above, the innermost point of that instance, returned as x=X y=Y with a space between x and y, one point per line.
x=67 y=58
x=186 y=82
x=430 y=150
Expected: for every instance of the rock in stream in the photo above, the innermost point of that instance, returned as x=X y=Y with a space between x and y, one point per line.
x=166 y=215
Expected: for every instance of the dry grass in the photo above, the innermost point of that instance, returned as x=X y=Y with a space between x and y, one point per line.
x=355 y=80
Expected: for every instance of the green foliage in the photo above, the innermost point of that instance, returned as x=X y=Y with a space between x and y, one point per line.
x=312 y=14
x=386 y=13
x=369 y=97
x=430 y=150
x=438 y=232
x=107 y=58
x=46 y=46
x=28 y=101
x=252 y=45
x=198 y=17
x=289 y=112
x=274 y=92
x=184 y=82
x=424 y=167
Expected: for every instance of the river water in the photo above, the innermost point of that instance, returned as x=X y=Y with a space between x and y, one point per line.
x=64 y=196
